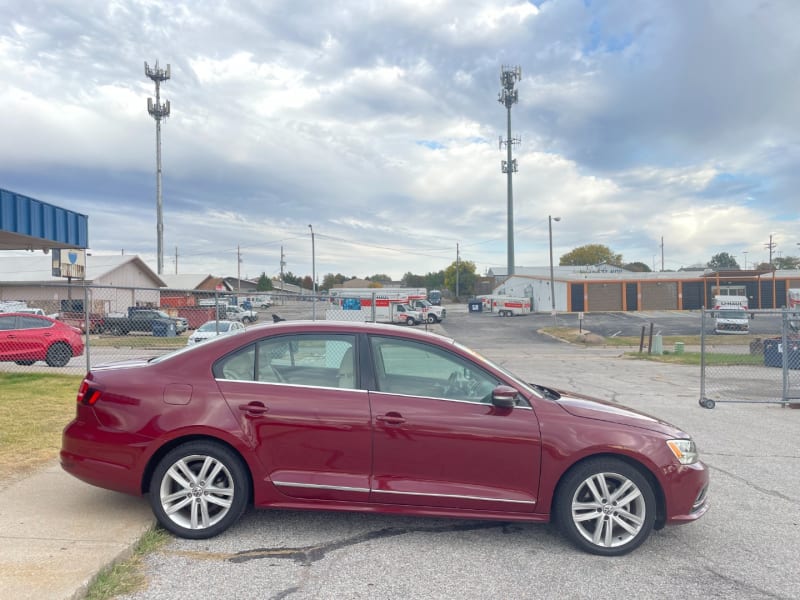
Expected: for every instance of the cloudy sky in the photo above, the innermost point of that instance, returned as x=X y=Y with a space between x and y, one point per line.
x=377 y=122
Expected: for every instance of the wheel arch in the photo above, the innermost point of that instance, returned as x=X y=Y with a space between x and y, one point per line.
x=147 y=473
x=658 y=491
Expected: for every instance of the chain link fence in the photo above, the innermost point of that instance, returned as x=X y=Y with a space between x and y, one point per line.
x=101 y=324
x=763 y=368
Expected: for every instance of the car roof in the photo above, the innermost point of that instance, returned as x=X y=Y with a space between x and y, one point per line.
x=301 y=326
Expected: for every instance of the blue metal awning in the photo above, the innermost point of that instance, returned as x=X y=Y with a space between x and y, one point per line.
x=30 y=224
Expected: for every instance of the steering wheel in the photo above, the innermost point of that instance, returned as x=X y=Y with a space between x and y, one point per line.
x=453 y=385
x=278 y=375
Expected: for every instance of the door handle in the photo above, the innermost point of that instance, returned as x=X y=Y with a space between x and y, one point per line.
x=254 y=409
x=391 y=419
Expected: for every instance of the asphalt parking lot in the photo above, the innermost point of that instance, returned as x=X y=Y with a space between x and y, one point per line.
x=747 y=546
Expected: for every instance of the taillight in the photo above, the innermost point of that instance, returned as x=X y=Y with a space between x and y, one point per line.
x=87 y=395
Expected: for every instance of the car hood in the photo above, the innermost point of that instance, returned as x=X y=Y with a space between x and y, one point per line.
x=601 y=410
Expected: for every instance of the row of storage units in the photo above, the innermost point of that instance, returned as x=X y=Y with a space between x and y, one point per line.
x=603 y=295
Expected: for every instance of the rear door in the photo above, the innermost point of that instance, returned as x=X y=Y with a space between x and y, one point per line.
x=297 y=400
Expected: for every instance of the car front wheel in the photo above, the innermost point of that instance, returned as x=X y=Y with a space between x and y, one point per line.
x=199 y=489
x=605 y=506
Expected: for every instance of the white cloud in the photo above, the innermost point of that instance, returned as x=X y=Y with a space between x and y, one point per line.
x=378 y=122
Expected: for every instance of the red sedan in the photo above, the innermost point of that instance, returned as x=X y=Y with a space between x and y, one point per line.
x=365 y=417
x=26 y=338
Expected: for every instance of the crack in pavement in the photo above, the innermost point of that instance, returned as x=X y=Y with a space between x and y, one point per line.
x=307 y=555
x=773 y=493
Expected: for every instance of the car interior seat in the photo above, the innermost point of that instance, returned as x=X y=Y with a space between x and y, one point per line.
x=347 y=373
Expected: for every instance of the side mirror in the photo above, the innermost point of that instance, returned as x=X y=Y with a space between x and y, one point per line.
x=504 y=396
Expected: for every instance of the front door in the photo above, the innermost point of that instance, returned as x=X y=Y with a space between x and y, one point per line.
x=438 y=440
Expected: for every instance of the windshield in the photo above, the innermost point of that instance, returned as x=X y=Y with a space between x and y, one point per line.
x=479 y=357
x=732 y=314
x=212 y=326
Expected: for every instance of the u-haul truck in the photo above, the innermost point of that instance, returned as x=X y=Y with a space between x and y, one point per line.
x=724 y=302
x=506 y=306
x=415 y=298
x=794 y=298
x=385 y=310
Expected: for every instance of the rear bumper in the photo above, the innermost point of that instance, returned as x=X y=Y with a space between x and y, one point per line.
x=112 y=461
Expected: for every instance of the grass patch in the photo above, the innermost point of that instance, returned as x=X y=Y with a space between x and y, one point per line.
x=127 y=576
x=712 y=358
x=34 y=409
x=139 y=341
x=693 y=358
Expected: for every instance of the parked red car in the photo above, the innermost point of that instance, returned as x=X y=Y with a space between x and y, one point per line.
x=26 y=338
x=367 y=417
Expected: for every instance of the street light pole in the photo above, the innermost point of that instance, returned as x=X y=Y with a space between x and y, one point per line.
x=313 y=277
x=550 y=220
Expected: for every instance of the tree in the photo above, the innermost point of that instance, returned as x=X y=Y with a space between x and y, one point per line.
x=786 y=262
x=591 y=254
x=307 y=283
x=466 y=278
x=381 y=278
x=413 y=281
x=723 y=260
x=637 y=267
x=264 y=283
x=290 y=277
x=330 y=280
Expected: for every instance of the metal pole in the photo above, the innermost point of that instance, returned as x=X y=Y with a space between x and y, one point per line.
x=313 y=277
x=159 y=204
x=550 y=220
x=510 y=195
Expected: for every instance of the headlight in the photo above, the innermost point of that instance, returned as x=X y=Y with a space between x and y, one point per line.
x=684 y=450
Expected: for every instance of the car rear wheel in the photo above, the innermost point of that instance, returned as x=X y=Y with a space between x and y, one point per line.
x=199 y=489
x=58 y=355
x=605 y=506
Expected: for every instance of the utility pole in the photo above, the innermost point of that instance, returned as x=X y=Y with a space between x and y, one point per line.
x=508 y=97
x=458 y=270
x=238 y=269
x=283 y=264
x=313 y=277
x=158 y=111
x=771 y=247
x=662 y=253
x=176 y=260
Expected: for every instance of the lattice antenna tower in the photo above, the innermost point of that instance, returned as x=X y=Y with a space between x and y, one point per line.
x=508 y=97
x=158 y=111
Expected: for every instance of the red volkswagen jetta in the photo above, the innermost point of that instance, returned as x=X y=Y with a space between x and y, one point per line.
x=365 y=417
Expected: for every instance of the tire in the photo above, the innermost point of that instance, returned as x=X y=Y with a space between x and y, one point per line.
x=116 y=330
x=589 y=512
x=58 y=355
x=25 y=363
x=431 y=319
x=187 y=505
x=410 y=321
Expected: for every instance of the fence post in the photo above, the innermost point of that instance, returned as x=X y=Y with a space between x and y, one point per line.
x=87 y=325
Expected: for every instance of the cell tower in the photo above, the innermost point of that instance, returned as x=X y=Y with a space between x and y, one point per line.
x=158 y=111
x=509 y=96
